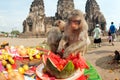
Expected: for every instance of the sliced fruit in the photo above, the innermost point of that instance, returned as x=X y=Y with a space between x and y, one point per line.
x=54 y=70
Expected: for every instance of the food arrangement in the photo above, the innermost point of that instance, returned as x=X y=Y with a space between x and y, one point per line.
x=18 y=61
x=54 y=67
x=38 y=63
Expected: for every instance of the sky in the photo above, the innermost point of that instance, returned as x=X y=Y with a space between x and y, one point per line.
x=14 y=12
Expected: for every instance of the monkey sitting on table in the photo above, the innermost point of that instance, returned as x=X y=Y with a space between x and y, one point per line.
x=75 y=38
x=54 y=35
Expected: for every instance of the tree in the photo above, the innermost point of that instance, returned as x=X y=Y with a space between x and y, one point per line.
x=15 y=33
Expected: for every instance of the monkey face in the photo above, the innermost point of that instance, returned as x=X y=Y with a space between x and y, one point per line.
x=75 y=24
x=60 y=24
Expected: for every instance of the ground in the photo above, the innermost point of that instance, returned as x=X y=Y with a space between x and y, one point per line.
x=101 y=58
x=23 y=41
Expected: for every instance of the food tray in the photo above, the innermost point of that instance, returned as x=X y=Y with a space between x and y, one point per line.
x=40 y=74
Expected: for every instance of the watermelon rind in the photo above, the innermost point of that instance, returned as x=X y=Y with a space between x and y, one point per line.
x=54 y=71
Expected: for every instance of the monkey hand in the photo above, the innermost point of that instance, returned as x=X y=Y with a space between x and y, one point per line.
x=67 y=52
x=75 y=47
x=61 y=46
x=59 y=50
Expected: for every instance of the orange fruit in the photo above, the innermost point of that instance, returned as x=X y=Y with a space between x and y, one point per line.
x=25 y=67
x=21 y=70
x=8 y=66
x=37 y=56
x=11 y=60
x=4 y=62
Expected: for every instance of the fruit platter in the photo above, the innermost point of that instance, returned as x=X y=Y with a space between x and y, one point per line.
x=38 y=63
x=74 y=67
x=39 y=72
x=56 y=68
x=19 y=62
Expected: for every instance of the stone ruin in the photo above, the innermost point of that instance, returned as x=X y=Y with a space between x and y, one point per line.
x=34 y=23
x=94 y=16
x=64 y=8
x=37 y=24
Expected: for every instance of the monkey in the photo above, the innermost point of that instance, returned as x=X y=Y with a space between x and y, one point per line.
x=54 y=35
x=75 y=39
x=117 y=56
x=60 y=24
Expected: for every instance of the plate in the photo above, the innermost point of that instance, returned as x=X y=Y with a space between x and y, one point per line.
x=28 y=78
x=40 y=74
x=5 y=72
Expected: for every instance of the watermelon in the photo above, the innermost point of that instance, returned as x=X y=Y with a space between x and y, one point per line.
x=78 y=61
x=59 y=74
x=58 y=67
x=63 y=68
x=55 y=58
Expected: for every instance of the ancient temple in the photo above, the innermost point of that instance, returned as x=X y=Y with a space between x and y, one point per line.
x=94 y=16
x=34 y=23
x=37 y=23
x=64 y=8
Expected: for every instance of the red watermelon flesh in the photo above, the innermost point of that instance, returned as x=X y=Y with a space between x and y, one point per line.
x=82 y=77
x=78 y=61
x=58 y=62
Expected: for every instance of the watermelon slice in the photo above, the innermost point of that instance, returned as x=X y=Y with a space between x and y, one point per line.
x=63 y=68
x=56 y=72
x=56 y=66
